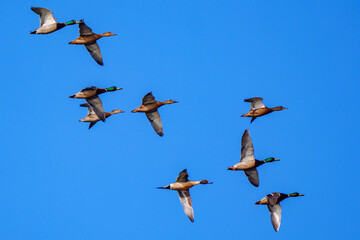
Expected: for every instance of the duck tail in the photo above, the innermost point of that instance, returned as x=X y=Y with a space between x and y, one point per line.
x=33 y=32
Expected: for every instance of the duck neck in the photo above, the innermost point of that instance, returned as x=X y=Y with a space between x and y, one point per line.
x=258 y=163
x=283 y=196
x=60 y=25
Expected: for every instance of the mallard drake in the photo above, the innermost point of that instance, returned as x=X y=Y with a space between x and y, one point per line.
x=258 y=109
x=90 y=94
x=248 y=163
x=48 y=23
x=88 y=38
x=92 y=118
x=149 y=107
x=182 y=185
x=273 y=203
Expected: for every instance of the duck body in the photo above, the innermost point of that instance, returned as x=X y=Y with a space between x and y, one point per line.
x=258 y=109
x=182 y=185
x=49 y=28
x=88 y=39
x=258 y=112
x=149 y=107
x=90 y=92
x=272 y=201
x=47 y=21
x=248 y=163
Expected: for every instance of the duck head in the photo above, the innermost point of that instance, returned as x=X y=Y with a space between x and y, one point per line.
x=113 y=88
x=205 y=182
x=108 y=34
x=116 y=111
x=271 y=159
x=295 y=194
x=72 y=22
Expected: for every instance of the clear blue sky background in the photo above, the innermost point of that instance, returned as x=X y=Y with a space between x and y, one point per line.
x=58 y=180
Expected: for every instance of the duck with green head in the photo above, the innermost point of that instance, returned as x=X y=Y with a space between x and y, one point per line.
x=90 y=94
x=248 y=163
x=272 y=201
x=48 y=23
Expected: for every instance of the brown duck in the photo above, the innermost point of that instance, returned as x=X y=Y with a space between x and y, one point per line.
x=149 y=107
x=258 y=109
x=182 y=185
x=88 y=38
x=92 y=118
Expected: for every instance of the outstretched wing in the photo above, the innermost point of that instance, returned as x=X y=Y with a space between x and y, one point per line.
x=148 y=98
x=185 y=199
x=84 y=30
x=253 y=176
x=183 y=176
x=155 y=120
x=92 y=124
x=95 y=53
x=96 y=104
x=46 y=16
x=256 y=102
x=275 y=214
x=247 y=148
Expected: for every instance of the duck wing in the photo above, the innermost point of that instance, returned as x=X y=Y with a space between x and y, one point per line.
x=148 y=99
x=94 y=50
x=84 y=30
x=185 y=199
x=247 y=148
x=275 y=214
x=90 y=109
x=183 y=176
x=92 y=124
x=253 y=176
x=46 y=16
x=273 y=198
x=256 y=102
x=155 y=120
x=96 y=104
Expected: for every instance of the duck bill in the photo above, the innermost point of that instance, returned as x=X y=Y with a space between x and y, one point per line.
x=301 y=195
x=276 y=159
x=118 y=88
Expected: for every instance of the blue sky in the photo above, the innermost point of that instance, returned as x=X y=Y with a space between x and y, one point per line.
x=58 y=180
